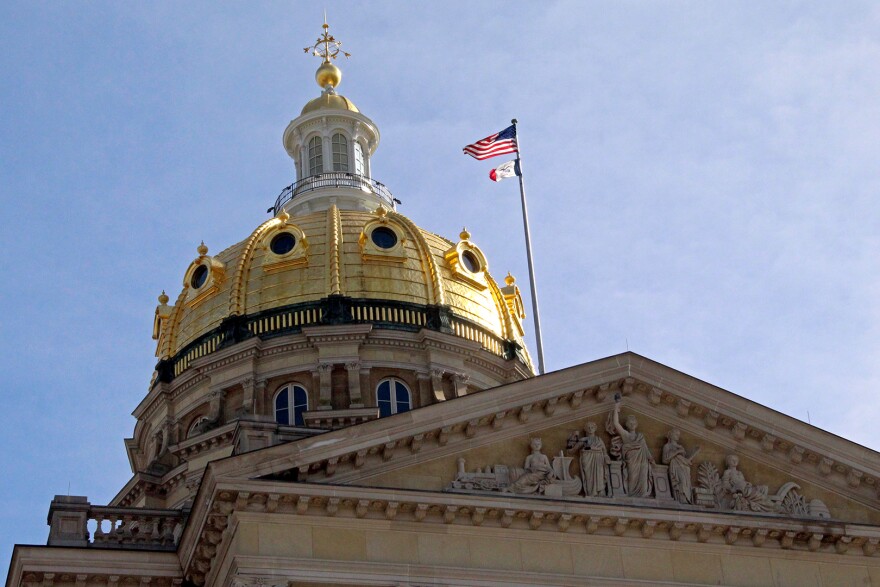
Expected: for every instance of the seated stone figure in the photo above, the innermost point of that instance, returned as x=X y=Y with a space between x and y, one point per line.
x=739 y=494
x=537 y=471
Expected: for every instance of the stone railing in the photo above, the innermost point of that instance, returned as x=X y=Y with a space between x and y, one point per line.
x=71 y=518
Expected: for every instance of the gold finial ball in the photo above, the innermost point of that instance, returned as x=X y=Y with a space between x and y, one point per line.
x=465 y=235
x=283 y=216
x=510 y=279
x=163 y=298
x=328 y=75
x=202 y=249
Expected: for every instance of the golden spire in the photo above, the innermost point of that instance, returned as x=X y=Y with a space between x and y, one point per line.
x=327 y=48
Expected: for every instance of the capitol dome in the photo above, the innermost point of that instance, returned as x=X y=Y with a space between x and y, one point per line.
x=335 y=311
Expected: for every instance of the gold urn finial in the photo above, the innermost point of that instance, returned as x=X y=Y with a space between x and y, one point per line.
x=327 y=48
x=465 y=235
x=163 y=298
x=510 y=279
x=202 y=249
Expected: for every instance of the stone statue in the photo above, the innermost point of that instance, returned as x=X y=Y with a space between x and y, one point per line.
x=739 y=494
x=636 y=455
x=594 y=461
x=538 y=472
x=679 y=463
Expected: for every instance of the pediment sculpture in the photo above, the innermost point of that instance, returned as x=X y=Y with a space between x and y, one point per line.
x=537 y=475
x=624 y=470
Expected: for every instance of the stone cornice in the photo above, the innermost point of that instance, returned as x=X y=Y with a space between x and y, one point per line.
x=216 y=438
x=230 y=500
x=40 y=564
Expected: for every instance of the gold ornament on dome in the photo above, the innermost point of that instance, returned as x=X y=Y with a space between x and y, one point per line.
x=328 y=49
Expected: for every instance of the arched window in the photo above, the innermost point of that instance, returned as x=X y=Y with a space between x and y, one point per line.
x=290 y=403
x=316 y=156
x=393 y=397
x=358 y=159
x=196 y=427
x=340 y=153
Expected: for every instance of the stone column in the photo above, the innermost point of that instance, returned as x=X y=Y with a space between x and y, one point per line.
x=366 y=392
x=426 y=397
x=260 y=399
x=325 y=372
x=215 y=405
x=248 y=407
x=460 y=380
x=437 y=384
x=355 y=397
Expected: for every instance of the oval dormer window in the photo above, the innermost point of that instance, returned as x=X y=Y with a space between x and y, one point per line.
x=470 y=262
x=199 y=276
x=282 y=243
x=383 y=237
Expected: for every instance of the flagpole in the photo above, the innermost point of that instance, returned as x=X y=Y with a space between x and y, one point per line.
x=534 y=288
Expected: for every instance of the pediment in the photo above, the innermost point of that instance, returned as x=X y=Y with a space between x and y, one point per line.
x=480 y=444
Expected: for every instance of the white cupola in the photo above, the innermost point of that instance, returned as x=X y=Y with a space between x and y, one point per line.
x=331 y=143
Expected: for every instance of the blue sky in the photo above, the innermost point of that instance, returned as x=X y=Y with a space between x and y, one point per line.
x=702 y=178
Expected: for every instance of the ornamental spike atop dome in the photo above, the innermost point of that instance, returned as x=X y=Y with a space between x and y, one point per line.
x=327 y=48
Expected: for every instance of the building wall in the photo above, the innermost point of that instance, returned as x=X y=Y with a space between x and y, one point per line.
x=407 y=553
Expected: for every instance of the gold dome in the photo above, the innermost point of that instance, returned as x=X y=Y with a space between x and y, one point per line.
x=329 y=101
x=336 y=254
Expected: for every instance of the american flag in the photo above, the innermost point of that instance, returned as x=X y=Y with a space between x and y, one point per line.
x=500 y=143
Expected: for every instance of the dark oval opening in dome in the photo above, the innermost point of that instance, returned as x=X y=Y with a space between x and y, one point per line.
x=470 y=262
x=199 y=276
x=283 y=243
x=383 y=237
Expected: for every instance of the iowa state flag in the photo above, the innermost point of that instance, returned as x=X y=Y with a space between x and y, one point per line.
x=505 y=170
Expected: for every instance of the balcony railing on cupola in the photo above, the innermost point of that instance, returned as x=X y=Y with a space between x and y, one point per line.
x=334 y=179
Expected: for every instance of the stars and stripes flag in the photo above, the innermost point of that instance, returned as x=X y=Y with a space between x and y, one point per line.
x=500 y=143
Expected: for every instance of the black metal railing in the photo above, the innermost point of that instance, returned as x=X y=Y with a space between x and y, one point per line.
x=336 y=310
x=333 y=179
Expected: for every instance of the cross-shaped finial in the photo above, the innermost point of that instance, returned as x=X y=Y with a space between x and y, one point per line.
x=326 y=47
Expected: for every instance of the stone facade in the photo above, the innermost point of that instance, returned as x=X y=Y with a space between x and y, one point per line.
x=390 y=502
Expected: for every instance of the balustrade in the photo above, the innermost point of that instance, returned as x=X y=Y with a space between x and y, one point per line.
x=72 y=518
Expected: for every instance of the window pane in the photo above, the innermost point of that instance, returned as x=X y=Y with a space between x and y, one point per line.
x=383 y=392
x=282 y=411
x=316 y=156
x=300 y=405
x=340 y=153
x=402 y=397
x=383 y=398
x=402 y=393
x=283 y=417
x=300 y=397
